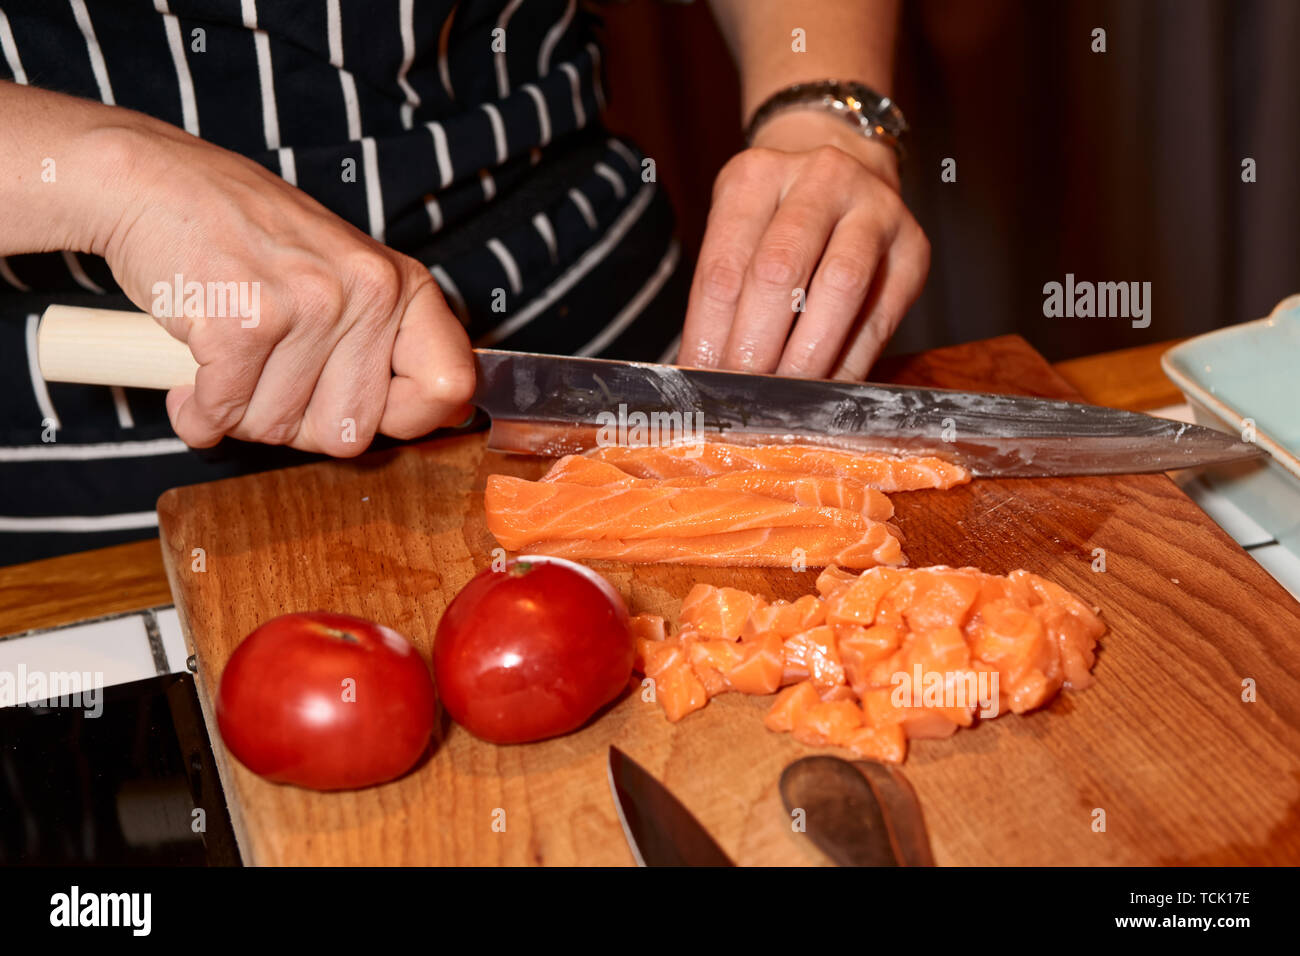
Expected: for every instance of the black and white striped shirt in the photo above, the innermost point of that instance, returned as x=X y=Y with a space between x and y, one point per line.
x=473 y=131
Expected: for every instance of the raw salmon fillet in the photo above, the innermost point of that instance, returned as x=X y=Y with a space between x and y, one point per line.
x=761 y=548
x=522 y=512
x=818 y=491
x=714 y=504
x=876 y=659
x=882 y=472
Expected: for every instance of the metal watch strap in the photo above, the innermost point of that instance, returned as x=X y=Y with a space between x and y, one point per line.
x=873 y=115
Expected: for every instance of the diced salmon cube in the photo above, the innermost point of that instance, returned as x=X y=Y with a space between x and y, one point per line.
x=838 y=692
x=787 y=619
x=943 y=650
x=859 y=602
x=927 y=724
x=647 y=627
x=717 y=613
x=1076 y=661
x=657 y=656
x=761 y=667
x=712 y=660
x=639 y=653
x=860 y=647
x=906 y=703
x=813 y=654
x=832 y=579
x=805 y=613
x=879 y=709
x=828 y=723
x=1075 y=636
x=1013 y=640
x=942 y=599
x=679 y=691
x=761 y=618
x=1032 y=690
x=885 y=672
x=788 y=708
x=887 y=744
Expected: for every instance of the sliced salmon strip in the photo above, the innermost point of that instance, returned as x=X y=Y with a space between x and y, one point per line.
x=816 y=491
x=767 y=548
x=584 y=470
x=521 y=512
x=821 y=491
x=882 y=472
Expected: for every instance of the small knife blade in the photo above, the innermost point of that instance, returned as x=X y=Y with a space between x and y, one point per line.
x=858 y=814
x=660 y=831
x=556 y=405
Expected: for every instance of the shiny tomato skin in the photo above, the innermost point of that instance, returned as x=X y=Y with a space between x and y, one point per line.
x=532 y=651
x=283 y=707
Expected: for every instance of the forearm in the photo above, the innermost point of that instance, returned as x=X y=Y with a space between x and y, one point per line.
x=844 y=40
x=63 y=175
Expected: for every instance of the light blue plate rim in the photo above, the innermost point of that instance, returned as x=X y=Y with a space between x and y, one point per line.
x=1186 y=370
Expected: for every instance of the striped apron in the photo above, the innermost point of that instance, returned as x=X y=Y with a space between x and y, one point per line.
x=474 y=129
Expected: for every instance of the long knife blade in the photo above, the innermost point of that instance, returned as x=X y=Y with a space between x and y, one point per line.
x=660 y=831
x=553 y=405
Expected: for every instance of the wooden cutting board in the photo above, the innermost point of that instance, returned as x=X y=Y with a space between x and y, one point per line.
x=1184 y=770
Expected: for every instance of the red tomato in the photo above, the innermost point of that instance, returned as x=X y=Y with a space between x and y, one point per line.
x=326 y=701
x=532 y=651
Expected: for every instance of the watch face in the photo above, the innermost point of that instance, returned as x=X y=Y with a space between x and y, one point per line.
x=874 y=115
x=878 y=110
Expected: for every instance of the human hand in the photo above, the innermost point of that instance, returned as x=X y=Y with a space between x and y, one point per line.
x=824 y=220
x=349 y=338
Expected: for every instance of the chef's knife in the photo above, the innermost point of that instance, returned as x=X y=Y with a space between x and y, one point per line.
x=660 y=831
x=555 y=405
x=858 y=814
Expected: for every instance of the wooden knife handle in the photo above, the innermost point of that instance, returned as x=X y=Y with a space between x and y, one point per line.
x=107 y=347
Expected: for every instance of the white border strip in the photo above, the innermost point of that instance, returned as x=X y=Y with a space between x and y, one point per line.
x=93 y=452
x=118 y=522
x=637 y=303
x=586 y=262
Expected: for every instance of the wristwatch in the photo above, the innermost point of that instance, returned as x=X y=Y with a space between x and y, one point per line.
x=871 y=114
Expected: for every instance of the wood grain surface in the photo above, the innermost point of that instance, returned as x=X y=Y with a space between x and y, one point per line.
x=1128 y=378
x=1185 y=770
x=124 y=577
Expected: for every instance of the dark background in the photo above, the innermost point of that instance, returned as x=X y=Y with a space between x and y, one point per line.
x=1115 y=166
